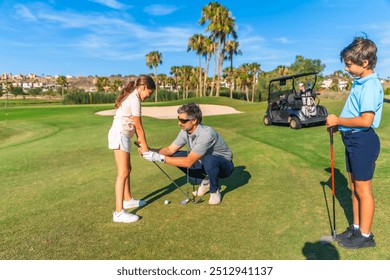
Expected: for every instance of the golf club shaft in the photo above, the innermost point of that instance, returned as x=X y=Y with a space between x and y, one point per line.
x=166 y=174
x=332 y=178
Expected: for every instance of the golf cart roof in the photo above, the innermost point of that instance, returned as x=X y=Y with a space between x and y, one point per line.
x=291 y=77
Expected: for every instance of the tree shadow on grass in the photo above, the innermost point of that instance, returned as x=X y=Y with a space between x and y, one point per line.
x=237 y=179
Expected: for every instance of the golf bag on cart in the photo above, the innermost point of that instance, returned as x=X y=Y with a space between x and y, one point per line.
x=309 y=107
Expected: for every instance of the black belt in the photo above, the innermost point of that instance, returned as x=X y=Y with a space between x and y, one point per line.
x=352 y=131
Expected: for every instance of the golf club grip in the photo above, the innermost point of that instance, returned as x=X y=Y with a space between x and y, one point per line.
x=137 y=144
x=331 y=135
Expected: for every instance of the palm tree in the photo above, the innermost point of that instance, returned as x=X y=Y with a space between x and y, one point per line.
x=171 y=82
x=196 y=43
x=175 y=71
x=61 y=80
x=255 y=69
x=153 y=59
x=230 y=49
x=208 y=51
x=116 y=85
x=283 y=70
x=163 y=79
x=221 y=26
x=245 y=78
x=185 y=77
x=102 y=84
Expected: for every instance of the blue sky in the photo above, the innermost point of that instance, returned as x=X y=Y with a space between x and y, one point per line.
x=106 y=37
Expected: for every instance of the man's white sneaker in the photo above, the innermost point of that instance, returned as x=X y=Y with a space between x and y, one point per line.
x=124 y=217
x=133 y=203
x=215 y=198
x=204 y=187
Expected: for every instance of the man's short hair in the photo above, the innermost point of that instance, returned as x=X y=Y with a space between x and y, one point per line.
x=192 y=110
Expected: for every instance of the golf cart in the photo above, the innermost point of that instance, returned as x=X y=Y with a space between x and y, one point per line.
x=289 y=102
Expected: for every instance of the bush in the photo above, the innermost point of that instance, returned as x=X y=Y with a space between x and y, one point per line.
x=163 y=95
x=82 y=97
x=387 y=91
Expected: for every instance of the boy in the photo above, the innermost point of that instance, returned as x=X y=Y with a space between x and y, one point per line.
x=361 y=114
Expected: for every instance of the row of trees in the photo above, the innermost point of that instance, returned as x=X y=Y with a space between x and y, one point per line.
x=220 y=42
x=220 y=26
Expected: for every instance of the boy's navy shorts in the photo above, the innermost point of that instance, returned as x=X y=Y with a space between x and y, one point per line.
x=361 y=152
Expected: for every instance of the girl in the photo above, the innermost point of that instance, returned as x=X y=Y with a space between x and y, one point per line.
x=127 y=121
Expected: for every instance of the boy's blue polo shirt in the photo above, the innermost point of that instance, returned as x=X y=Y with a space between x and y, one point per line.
x=366 y=96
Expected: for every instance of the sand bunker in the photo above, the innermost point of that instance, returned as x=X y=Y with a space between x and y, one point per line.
x=170 y=112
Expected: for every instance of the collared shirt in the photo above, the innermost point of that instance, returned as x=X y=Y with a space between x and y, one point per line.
x=204 y=141
x=366 y=96
x=130 y=107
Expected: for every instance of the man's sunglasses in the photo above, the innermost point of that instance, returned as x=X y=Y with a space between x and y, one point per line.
x=183 y=121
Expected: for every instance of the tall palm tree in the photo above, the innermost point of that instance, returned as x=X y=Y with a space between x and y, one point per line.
x=196 y=43
x=255 y=69
x=208 y=51
x=153 y=59
x=61 y=80
x=221 y=26
x=230 y=49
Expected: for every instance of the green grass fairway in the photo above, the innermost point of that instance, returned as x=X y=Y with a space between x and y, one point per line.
x=57 y=190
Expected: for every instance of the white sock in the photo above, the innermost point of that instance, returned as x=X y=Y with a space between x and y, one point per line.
x=366 y=235
x=356 y=226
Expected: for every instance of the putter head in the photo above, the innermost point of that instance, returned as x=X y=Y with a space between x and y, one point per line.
x=327 y=239
x=196 y=201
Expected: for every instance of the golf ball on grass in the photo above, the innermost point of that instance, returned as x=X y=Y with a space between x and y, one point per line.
x=166 y=202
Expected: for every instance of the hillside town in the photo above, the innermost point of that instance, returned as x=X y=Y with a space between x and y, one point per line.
x=90 y=83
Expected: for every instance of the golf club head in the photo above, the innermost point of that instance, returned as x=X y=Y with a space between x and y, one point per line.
x=327 y=239
x=184 y=201
x=199 y=200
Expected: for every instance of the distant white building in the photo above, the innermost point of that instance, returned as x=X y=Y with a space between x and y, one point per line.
x=326 y=84
x=342 y=84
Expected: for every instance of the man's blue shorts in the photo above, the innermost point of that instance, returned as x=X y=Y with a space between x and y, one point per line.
x=361 y=152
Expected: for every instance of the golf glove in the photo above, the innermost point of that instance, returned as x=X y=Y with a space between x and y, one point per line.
x=153 y=156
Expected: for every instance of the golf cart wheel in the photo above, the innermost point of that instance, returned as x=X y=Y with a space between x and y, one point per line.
x=267 y=120
x=295 y=123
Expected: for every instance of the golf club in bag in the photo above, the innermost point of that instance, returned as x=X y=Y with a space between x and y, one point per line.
x=328 y=239
x=184 y=201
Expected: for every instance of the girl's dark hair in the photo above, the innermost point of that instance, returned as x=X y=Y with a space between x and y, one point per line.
x=192 y=110
x=132 y=85
x=359 y=50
